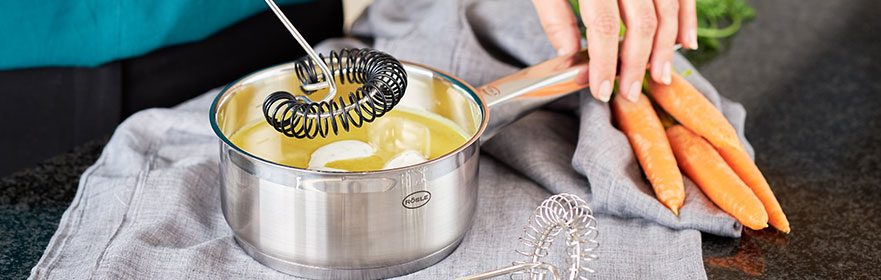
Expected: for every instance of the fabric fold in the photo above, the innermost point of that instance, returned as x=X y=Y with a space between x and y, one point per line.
x=150 y=207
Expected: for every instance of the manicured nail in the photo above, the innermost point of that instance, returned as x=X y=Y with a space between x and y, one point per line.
x=563 y=51
x=605 y=91
x=633 y=92
x=665 y=74
x=692 y=39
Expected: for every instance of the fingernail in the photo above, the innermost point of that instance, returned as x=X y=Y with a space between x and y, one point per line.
x=665 y=75
x=692 y=39
x=563 y=51
x=633 y=92
x=605 y=91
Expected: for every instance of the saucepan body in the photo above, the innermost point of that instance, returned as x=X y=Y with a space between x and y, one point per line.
x=349 y=225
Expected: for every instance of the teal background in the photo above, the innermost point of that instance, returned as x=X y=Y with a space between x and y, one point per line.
x=93 y=32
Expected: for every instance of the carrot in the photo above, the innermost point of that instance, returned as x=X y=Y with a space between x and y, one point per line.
x=703 y=164
x=640 y=123
x=693 y=110
x=747 y=170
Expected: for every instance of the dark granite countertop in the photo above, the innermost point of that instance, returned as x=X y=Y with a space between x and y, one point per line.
x=32 y=202
x=809 y=74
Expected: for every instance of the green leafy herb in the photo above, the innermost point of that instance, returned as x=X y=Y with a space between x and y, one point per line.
x=716 y=19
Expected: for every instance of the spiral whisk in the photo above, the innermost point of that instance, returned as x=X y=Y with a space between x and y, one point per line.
x=381 y=77
x=567 y=214
x=382 y=81
x=559 y=214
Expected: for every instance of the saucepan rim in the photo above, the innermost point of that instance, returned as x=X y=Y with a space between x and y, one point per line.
x=456 y=83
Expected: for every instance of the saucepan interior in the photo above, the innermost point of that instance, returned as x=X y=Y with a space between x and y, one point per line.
x=428 y=90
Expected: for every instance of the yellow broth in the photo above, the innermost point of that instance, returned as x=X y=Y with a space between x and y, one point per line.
x=400 y=130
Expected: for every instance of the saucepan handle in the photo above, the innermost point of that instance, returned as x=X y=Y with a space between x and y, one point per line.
x=518 y=94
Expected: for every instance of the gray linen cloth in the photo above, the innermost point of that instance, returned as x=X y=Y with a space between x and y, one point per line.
x=149 y=207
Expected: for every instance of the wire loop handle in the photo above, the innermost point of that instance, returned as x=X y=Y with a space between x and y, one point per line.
x=515 y=269
x=328 y=81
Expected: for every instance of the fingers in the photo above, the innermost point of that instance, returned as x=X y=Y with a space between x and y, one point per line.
x=665 y=38
x=641 y=22
x=601 y=17
x=653 y=27
x=559 y=24
x=687 y=24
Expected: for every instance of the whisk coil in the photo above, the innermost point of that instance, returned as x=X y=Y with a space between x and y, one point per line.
x=562 y=213
x=382 y=81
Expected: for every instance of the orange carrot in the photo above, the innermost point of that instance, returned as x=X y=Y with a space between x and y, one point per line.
x=747 y=170
x=640 y=123
x=693 y=110
x=703 y=164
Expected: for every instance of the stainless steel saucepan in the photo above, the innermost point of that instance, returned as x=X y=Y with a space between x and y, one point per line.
x=373 y=224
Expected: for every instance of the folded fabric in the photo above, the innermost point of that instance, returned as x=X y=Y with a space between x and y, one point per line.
x=480 y=41
x=149 y=207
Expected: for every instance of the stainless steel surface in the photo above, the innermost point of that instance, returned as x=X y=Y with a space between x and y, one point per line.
x=558 y=214
x=352 y=225
x=345 y=221
x=373 y=224
x=328 y=78
x=336 y=273
x=518 y=94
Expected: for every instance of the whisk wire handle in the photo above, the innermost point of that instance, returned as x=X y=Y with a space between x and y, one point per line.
x=382 y=81
x=328 y=81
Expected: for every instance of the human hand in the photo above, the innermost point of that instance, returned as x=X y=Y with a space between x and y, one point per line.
x=653 y=28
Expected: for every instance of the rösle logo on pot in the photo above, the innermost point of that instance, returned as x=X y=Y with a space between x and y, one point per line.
x=416 y=199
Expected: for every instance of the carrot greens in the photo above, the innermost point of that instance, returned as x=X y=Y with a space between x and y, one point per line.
x=716 y=19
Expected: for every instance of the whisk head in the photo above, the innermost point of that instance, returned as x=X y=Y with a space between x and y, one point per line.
x=558 y=214
x=381 y=78
x=563 y=213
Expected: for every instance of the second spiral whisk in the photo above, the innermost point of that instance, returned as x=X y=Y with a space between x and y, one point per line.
x=565 y=214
